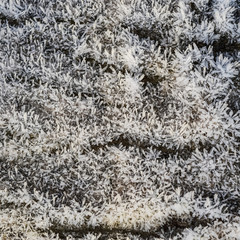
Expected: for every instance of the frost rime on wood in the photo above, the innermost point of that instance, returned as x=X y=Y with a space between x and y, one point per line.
x=119 y=119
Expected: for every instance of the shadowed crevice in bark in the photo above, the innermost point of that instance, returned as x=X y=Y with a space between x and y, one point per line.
x=171 y=228
x=223 y=45
x=105 y=232
x=16 y=20
x=229 y=201
x=126 y=142
x=123 y=141
x=11 y=20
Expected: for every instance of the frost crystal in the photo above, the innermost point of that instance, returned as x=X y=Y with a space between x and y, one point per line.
x=119 y=119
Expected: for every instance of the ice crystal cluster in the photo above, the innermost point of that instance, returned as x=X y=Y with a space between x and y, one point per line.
x=119 y=119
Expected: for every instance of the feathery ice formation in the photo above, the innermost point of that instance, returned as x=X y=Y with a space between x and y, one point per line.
x=119 y=119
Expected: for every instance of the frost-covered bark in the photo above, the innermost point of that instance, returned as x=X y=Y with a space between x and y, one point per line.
x=119 y=119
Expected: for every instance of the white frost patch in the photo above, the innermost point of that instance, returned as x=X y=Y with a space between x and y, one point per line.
x=132 y=85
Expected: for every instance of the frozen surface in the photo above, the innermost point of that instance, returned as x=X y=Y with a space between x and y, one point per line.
x=119 y=119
